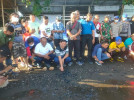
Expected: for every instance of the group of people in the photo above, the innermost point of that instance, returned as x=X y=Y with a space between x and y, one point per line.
x=29 y=43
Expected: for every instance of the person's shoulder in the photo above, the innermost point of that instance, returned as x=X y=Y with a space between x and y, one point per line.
x=69 y=22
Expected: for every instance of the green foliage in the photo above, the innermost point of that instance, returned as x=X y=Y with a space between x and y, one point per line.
x=38 y=7
x=128 y=2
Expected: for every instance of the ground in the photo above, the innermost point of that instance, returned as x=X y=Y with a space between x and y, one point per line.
x=112 y=81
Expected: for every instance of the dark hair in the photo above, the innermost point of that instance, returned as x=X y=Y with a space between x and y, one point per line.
x=23 y=20
x=104 y=42
x=45 y=17
x=30 y=40
x=63 y=41
x=8 y=27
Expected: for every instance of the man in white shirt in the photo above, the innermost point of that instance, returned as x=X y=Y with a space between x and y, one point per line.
x=46 y=30
x=44 y=53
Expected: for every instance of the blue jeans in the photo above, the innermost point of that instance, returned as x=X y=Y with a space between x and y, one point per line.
x=39 y=60
x=101 y=56
x=8 y=63
x=66 y=61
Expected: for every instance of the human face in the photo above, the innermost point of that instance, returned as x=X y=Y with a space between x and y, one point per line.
x=106 y=20
x=45 y=21
x=14 y=19
x=116 y=20
x=8 y=33
x=132 y=37
x=63 y=44
x=105 y=45
x=89 y=18
x=43 y=41
x=73 y=17
x=32 y=18
x=31 y=44
x=96 y=20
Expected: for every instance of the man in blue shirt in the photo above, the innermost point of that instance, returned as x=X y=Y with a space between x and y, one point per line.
x=100 y=53
x=58 y=30
x=87 y=36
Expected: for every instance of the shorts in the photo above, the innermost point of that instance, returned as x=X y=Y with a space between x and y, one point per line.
x=19 y=50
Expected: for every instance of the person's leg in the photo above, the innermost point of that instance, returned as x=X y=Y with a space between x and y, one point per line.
x=70 y=45
x=104 y=57
x=38 y=60
x=77 y=49
x=56 y=60
x=67 y=60
x=90 y=44
x=83 y=44
x=99 y=54
x=8 y=61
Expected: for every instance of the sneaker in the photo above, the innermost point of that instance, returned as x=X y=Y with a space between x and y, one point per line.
x=51 y=68
x=79 y=63
x=38 y=66
x=22 y=64
x=90 y=62
x=125 y=57
x=70 y=64
x=120 y=59
x=111 y=59
x=98 y=63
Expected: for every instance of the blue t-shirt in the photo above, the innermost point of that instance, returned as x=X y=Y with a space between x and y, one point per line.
x=94 y=53
x=87 y=27
x=36 y=41
x=128 y=42
x=60 y=27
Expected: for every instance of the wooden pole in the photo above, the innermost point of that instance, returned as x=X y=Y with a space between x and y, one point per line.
x=2 y=13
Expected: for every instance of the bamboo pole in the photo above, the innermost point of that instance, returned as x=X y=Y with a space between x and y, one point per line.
x=2 y=13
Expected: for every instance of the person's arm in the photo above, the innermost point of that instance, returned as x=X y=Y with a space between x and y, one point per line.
x=60 y=61
x=111 y=50
x=65 y=56
x=69 y=33
x=10 y=45
x=43 y=32
x=78 y=33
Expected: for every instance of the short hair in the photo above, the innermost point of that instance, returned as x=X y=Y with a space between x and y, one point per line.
x=73 y=13
x=77 y=11
x=8 y=27
x=104 y=42
x=12 y=14
x=30 y=40
x=45 y=17
x=88 y=14
x=63 y=40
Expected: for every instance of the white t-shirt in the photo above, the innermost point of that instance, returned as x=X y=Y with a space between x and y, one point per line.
x=97 y=27
x=47 y=28
x=43 y=50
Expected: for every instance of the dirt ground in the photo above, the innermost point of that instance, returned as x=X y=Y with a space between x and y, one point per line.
x=112 y=81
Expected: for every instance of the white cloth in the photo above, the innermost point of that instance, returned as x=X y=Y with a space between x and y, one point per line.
x=97 y=27
x=47 y=28
x=39 y=49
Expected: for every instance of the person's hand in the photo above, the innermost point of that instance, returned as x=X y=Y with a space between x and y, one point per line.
x=93 y=41
x=108 y=55
x=32 y=59
x=47 y=57
x=118 y=49
x=101 y=62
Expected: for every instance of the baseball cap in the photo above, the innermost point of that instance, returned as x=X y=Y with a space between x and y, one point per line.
x=116 y=17
x=118 y=38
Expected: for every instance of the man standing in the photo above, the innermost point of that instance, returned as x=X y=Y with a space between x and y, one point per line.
x=98 y=32
x=6 y=39
x=88 y=36
x=58 y=29
x=73 y=30
x=116 y=27
x=126 y=31
x=46 y=30
x=33 y=26
x=106 y=30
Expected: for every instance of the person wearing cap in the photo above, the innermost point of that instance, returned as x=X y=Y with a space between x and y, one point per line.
x=58 y=30
x=117 y=49
x=132 y=25
x=62 y=55
x=6 y=39
x=106 y=30
x=46 y=30
x=126 y=30
x=44 y=53
x=116 y=27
